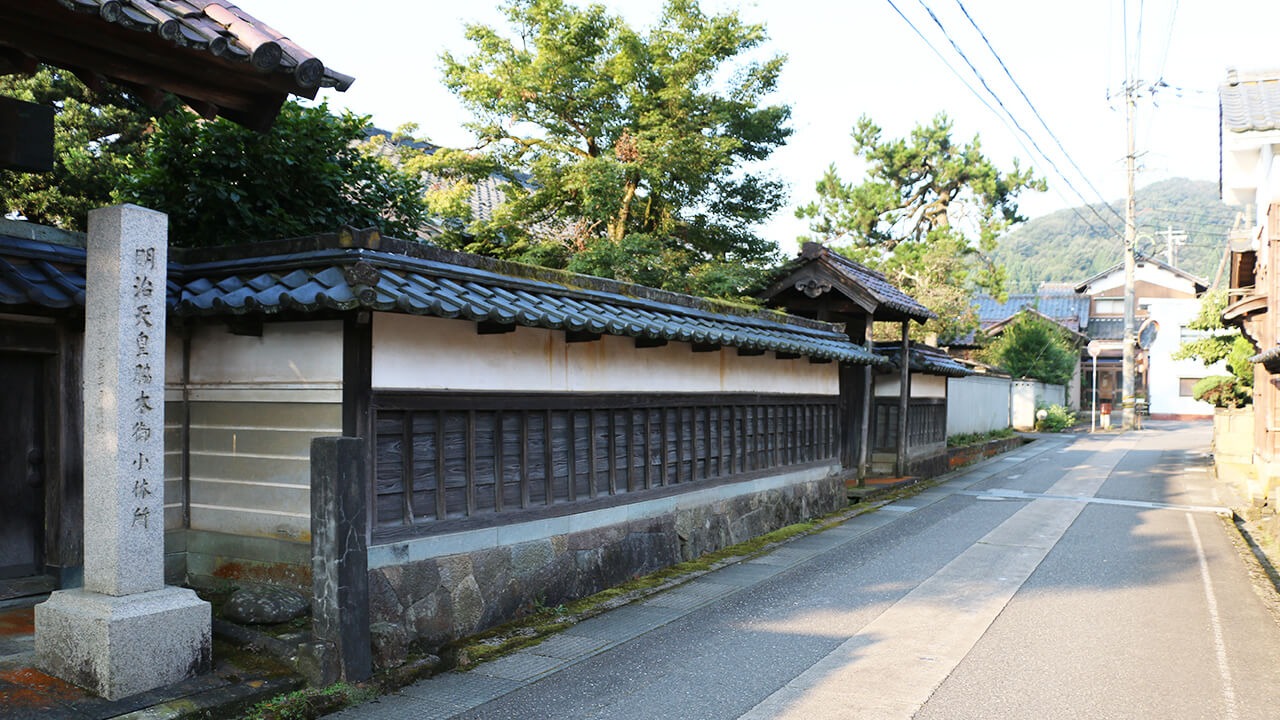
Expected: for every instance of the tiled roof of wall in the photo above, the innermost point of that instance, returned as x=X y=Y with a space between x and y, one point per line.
x=220 y=29
x=35 y=274
x=878 y=285
x=857 y=279
x=924 y=359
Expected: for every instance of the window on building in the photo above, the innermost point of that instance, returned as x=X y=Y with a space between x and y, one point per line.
x=1186 y=334
x=1186 y=386
x=1108 y=306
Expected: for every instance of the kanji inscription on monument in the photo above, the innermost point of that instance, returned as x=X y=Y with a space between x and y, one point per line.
x=124 y=415
x=124 y=632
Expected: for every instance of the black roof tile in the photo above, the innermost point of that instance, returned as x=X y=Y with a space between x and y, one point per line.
x=423 y=281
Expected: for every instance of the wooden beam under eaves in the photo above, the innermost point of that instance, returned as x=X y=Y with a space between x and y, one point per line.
x=488 y=327
x=579 y=336
x=749 y=352
x=782 y=355
x=705 y=347
x=819 y=361
x=648 y=342
x=245 y=325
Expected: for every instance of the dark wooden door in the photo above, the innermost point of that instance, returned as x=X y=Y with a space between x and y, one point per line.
x=22 y=487
x=852 y=391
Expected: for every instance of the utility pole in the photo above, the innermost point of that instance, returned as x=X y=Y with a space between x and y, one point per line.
x=1129 y=419
x=1172 y=240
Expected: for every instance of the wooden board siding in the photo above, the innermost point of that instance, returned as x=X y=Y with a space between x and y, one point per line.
x=175 y=498
x=926 y=423
x=250 y=465
x=452 y=456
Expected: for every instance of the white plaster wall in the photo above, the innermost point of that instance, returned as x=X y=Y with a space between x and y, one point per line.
x=425 y=353
x=1022 y=404
x=1026 y=397
x=977 y=404
x=1163 y=372
x=288 y=357
x=922 y=386
x=255 y=404
x=1249 y=172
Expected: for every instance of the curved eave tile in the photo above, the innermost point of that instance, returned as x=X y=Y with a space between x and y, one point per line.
x=309 y=290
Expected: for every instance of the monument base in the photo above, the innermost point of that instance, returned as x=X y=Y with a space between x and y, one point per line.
x=121 y=646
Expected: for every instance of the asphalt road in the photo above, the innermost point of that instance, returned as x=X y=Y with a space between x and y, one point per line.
x=1083 y=577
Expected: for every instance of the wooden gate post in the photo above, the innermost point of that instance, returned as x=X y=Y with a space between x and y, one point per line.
x=339 y=555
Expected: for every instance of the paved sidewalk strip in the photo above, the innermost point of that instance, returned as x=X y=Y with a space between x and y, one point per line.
x=921 y=638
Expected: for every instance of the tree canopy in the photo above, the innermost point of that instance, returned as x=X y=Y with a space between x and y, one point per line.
x=623 y=150
x=1033 y=346
x=1217 y=342
x=222 y=183
x=927 y=214
x=97 y=137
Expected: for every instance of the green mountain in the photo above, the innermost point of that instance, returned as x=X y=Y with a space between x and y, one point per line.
x=1074 y=244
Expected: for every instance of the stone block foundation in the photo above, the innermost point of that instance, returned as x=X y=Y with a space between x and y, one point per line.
x=429 y=602
x=120 y=646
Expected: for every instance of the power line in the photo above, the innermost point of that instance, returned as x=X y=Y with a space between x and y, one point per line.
x=1034 y=111
x=1168 y=44
x=1137 y=53
x=1007 y=117
x=976 y=94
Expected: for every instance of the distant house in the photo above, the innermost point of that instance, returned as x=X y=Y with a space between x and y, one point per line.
x=1250 y=139
x=1167 y=300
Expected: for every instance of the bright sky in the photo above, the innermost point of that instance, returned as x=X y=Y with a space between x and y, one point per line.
x=854 y=57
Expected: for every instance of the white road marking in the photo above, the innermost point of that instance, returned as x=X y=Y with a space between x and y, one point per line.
x=919 y=640
x=1219 y=645
x=1008 y=494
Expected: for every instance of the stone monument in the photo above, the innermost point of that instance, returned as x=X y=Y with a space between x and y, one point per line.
x=124 y=632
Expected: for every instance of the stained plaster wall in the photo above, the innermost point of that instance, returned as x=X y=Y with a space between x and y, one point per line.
x=252 y=407
x=424 y=353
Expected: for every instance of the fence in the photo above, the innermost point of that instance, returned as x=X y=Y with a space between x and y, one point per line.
x=982 y=403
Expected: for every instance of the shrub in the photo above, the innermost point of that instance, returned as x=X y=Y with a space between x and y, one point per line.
x=1221 y=391
x=1035 y=347
x=1057 y=418
x=964 y=439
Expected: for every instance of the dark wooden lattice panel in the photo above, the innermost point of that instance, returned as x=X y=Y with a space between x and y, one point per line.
x=451 y=457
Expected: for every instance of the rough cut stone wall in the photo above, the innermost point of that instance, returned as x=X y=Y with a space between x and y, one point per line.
x=429 y=603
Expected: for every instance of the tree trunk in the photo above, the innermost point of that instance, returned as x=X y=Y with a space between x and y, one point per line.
x=618 y=226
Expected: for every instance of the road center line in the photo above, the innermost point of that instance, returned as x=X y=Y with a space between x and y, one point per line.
x=892 y=666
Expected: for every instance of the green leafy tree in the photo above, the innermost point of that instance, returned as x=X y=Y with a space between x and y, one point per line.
x=1034 y=347
x=1219 y=342
x=623 y=150
x=927 y=215
x=97 y=136
x=312 y=172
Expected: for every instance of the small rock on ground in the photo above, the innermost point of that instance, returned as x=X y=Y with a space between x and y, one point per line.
x=265 y=605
